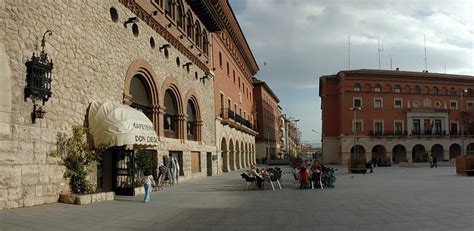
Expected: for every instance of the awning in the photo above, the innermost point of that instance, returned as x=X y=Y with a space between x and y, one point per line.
x=120 y=125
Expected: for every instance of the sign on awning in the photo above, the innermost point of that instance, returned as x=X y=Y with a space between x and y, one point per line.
x=120 y=125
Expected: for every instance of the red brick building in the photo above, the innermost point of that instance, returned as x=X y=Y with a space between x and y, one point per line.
x=403 y=117
x=268 y=119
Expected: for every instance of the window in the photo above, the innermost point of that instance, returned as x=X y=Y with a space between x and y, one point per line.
x=377 y=88
x=222 y=101
x=233 y=73
x=416 y=127
x=220 y=59
x=454 y=128
x=453 y=105
x=180 y=11
x=452 y=91
x=434 y=91
x=470 y=105
x=437 y=127
x=356 y=87
x=398 y=128
x=197 y=34
x=397 y=89
x=397 y=103
x=357 y=102
x=169 y=8
x=417 y=90
x=357 y=125
x=189 y=28
x=378 y=127
x=229 y=104
x=377 y=103
x=228 y=70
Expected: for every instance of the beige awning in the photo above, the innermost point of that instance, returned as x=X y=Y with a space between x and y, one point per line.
x=120 y=125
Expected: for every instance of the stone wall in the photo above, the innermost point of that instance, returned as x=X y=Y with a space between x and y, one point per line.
x=91 y=55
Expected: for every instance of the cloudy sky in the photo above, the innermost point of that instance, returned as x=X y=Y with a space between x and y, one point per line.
x=300 y=40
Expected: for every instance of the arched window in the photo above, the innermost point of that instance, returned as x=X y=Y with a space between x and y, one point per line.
x=417 y=90
x=197 y=36
x=452 y=91
x=169 y=8
x=434 y=91
x=205 y=42
x=356 y=87
x=140 y=96
x=191 y=123
x=170 y=119
x=397 y=89
x=189 y=25
x=180 y=14
x=377 y=88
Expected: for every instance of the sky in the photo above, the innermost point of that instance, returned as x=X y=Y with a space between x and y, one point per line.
x=297 y=41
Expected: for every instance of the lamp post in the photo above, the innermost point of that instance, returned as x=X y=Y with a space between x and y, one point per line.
x=463 y=90
x=355 y=109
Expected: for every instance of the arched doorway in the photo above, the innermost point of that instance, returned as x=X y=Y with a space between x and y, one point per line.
x=438 y=152
x=357 y=152
x=399 y=154
x=470 y=149
x=231 y=155
x=170 y=119
x=379 y=153
x=454 y=151
x=224 y=156
x=419 y=153
x=237 y=155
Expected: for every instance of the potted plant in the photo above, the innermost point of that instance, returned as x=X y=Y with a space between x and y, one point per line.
x=77 y=155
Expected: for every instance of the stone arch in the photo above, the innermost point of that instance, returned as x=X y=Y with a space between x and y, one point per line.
x=358 y=151
x=419 y=153
x=142 y=68
x=242 y=155
x=454 y=151
x=237 y=155
x=399 y=154
x=224 y=155
x=231 y=155
x=379 y=153
x=437 y=151
x=470 y=149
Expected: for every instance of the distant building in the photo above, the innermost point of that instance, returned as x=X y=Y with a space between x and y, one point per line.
x=288 y=137
x=268 y=117
x=404 y=116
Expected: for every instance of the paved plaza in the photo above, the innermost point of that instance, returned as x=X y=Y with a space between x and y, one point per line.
x=392 y=198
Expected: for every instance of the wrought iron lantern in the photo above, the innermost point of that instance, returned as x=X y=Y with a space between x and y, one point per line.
x=38 y=79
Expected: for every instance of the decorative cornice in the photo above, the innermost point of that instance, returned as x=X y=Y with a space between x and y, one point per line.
x=161 y=30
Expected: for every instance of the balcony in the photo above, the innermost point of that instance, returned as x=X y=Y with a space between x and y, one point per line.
x=387 y=133
x=429 y=133
x=236 y=121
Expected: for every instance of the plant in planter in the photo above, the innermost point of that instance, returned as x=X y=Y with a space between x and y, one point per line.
x=76 y=154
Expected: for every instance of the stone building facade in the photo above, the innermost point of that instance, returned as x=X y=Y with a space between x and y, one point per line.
x=403 y=117
x=234 y=68
x=268 y=119
x=106 y=50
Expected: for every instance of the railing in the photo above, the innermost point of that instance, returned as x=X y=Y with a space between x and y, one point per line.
x=428 y=133
x=387 y=133
x=226 y=114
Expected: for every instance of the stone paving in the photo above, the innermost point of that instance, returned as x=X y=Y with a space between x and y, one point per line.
x=392 y=198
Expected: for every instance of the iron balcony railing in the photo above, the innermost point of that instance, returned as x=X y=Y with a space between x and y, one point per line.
x=226 y=113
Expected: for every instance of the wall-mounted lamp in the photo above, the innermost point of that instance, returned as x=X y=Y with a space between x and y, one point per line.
x=130 y=20
x=188 y=64
x=164 y=46
x=38 y=79
x=38 y=113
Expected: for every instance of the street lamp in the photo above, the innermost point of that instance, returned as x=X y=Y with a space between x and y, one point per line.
x=463 y=90
x=355 y=109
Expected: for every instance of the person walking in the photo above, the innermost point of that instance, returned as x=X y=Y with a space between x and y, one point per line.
x=431 y=161
x=147 y=183
x=435 y=162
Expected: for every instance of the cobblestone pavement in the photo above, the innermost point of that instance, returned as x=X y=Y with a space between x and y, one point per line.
x=392 y=198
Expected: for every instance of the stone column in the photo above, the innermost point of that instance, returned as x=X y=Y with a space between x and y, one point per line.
x=161 y=119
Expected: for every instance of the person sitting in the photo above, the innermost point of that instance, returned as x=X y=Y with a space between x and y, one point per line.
x=253 y=173
x=304 y=178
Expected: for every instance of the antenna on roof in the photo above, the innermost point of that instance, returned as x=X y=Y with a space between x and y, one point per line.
x=391 y=62
x=349 y=52
x=379 y=49
x=426 y=63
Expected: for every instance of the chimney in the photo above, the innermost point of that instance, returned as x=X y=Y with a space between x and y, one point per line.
x=397 y=69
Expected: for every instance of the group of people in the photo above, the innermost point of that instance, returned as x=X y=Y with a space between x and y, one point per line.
x=259 y=174
x=317 y=175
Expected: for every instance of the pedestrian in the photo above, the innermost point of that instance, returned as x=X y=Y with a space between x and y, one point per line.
x=369 y=166
x=147 y=183
x=435 y=162
x=431 y=161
